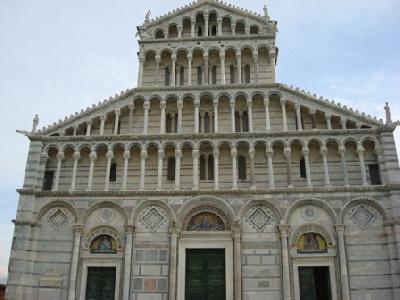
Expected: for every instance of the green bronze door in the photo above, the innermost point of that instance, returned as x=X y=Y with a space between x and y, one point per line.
x=205 y=274
x=100 y=283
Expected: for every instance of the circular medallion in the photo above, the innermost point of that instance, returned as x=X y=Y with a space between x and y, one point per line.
x=106 y=215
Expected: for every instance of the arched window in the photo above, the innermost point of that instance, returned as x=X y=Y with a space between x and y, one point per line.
x=242 y=167
x=247 y=73
x=175 y=123
x=240 y=28
x=214 y=75
x=202 y=167
x=245 y=122
x=199 y=75
x=254 y=29
x=167 y=76
x=374 y=173
x=172 y=31
x=171 y=169
x=182 y=75
x=303 y=173
x=232 y=73
x=214 y=30
x=168 y=123
x=210 y=167
x=159 y=34
x=199 y=31
x=113 y=173
x=237 y=122
x=206 y=122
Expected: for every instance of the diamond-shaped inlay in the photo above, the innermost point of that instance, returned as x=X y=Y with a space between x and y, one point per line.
x=58 y=219
x=363 y=216
x=153 y=219
x=259 y=218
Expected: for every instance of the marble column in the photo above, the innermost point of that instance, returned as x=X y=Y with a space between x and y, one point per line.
x=76 y=157
x=173 y=73
x=237 y=259
x=219 y=22
x=131 y=107
x=222 y=57
x=88 y=127
x=216 y=168
x=192 y=28
x=342 y=151
x=287 y=153
x=233 y=127
x=306 y=152
x=178 y=157
x=252 y=154
x=205 y=24
x=284 y=119
x=215 y=103
x=60 y=158
x=179 y=105
x=78 y=231
x=206 y=79
x=116 y=122
x=344 y=277
x=127 y=156
x=143 y=157
x=163 y=106
x=267 y=117
x=75 y=127
x=343 y=122
x=250 y=114
x=102 y=123
x=313 y=114
x=328 y=121
x=298 y=117
x=195 y=156
x=233 y=29
x=196 y=116
x=234 y=168
x=180 y=28
x=270 y=154
x=324 y=153
x=239 y=67
x=284 y=230
x=272 y=55
x=189 y=83
x=146 y=107
x=382 y=168
x=360 y=152
x=140 y=75
x=174 y=234
x=110 y=156
x=160 y=155
x=93 y=157
x=130 y=232
x=158 y=60
x=256 y=64
x=44 y=157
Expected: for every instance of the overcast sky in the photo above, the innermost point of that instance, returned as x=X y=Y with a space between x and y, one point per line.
x=57 y=57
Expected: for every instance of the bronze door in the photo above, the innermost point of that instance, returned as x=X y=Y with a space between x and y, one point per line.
x=205 y=274
x=314 y=283
x=100 y=283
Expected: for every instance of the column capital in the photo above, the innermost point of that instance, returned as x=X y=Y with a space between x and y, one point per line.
x=255 y=54
x=160 y=154
x=283 y=101
x=284 y=229
x=103 y=117
x=340 y=229
x=238 y=55
x=158 y=58
x=60 y=155
x=143 y=154
x=146 y=105
x=178 y=154
x=249 y=103
x=287 y=152
x=312 y=111
x=195 y=153
x=305 y=151
x=324 y=151
x=216 y=153
x=360 y=150
x=252 y=153
x=93 y=156
x=222 y=54
x=297 y=105
x=78 y=228
x=127 y=154
x=232 y=104
x=129 y=229
x=174 y=228
x=173 y=57
x=197 y=103
x=342 y=150
x=89 y=122
x=77 y=155
x=236 y=229
x=179 y=104
x=215 y=102
x=233 y=152
x=266 y=102
x=117 y=112
x=44 y=156
x=328 y=116
x=163 y=104
x=269 y=152
x=110 y=154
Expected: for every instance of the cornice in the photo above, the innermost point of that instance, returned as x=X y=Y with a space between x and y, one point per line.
x=239 y=192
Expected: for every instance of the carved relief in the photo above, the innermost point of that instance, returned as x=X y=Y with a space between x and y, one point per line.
x=363 y=215
x=259 y=217
x=153 y=217
x=106 y=215
x=58 y=218
x=309 y=213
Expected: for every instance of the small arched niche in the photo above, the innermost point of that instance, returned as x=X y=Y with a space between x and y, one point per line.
x=206 y=218
x=311 y=242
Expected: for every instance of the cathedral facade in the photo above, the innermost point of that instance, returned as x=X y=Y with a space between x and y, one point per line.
x=209 y=180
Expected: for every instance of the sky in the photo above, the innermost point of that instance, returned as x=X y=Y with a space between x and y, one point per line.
x=57 y=57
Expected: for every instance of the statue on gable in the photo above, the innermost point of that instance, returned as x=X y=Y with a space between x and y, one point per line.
x=35 y=123
x=388 y=114
x=147 y=17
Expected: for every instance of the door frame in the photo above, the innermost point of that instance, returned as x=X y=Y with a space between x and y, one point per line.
x=101 y=260
x=314 y=261
x=205 y=240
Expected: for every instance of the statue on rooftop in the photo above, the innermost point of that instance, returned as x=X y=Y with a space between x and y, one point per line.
x=35 y=123
x=147 y=17
x=388 y=114
x=266 y=12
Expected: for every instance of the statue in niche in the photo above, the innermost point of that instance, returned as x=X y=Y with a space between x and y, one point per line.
x=103 y=244
x=205 y=222
x=311 y=242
